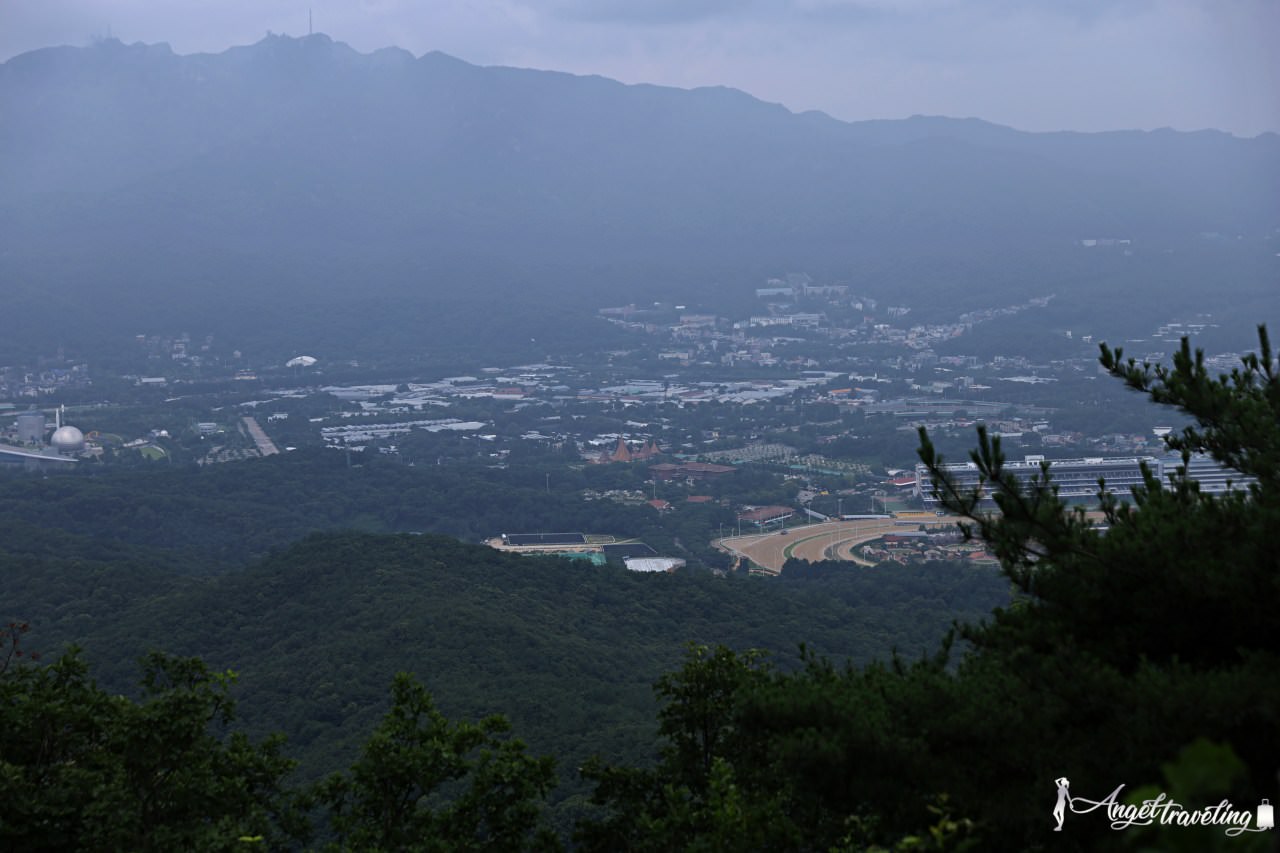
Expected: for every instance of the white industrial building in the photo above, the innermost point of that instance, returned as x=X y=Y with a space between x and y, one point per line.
x=653 y=564
x=65 y=444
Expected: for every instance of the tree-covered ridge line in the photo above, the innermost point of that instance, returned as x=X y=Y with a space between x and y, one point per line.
x=317 y=631
x=82 y=769
x=211 y=519
x=1142 y=656
x=1145 y=656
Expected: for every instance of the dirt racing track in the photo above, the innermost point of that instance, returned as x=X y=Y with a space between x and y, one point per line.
x=829 y=540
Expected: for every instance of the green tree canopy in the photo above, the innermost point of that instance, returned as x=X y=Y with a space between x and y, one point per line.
x=81 y=769
x=1135 y=634
x=423 y=783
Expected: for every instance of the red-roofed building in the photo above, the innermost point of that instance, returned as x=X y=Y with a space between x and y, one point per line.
x=623 y=453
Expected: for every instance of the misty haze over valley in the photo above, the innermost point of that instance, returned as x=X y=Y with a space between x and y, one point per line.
x=681 y=469
x=251 y=193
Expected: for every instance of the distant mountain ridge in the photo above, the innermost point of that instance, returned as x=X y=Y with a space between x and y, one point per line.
x=138 y=165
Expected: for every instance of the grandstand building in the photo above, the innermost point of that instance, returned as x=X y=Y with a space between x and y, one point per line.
x=571 y=545
x=1077 y=479
x=668 y=471
x=1212 y=477
x=765 y=515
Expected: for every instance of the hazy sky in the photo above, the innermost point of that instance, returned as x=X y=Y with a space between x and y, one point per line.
x=1032 y=64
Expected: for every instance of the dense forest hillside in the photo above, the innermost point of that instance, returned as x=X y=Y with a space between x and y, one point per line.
x=1136 y=657
x=569 y=653
x=211 y=519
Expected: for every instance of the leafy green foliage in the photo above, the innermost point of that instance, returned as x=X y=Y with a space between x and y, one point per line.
x=753 y=758
x=694 y=799
x=1204 y=772
x=1166 y=620
x=1170 y=562
x=82 y=769
x=1121 y=649
x=392 y=797
x=208 y=520
x=1236 y=414
x=568 y=652
x=696 y=720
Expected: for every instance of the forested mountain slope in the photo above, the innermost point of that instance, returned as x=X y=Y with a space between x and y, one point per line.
x=569 y=653
x=211 y=519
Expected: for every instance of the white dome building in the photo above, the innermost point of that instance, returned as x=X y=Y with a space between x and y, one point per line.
x=67 y=439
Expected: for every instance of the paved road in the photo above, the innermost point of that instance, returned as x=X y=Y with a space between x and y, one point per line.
x=266 y=446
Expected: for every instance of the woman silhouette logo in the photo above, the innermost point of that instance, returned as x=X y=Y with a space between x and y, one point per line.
x=1060 y=808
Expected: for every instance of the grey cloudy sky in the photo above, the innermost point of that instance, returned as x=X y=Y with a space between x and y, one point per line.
x=1033 y=64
